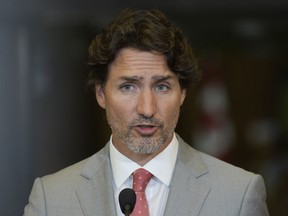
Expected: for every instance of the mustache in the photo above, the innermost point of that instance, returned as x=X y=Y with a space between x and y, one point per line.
x=146 y=120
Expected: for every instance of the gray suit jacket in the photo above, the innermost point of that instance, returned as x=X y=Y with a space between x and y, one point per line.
x=201 y=185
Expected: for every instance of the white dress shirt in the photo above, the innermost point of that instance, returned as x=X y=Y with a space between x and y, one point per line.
x=161 y=167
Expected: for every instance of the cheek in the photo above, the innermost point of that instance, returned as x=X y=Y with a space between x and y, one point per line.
x=174 y=113
x=170 y=110
x=118 y=110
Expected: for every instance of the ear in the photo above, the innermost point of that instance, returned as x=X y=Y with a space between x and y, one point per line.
x=100 y=95
x=183 y=95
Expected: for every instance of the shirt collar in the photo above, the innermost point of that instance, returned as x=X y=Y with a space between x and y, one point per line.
x=161 y=166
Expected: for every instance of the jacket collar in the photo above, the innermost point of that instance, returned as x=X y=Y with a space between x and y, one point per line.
x=95 y=191
x=187 y=193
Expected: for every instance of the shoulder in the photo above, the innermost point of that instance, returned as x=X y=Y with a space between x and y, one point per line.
x=236 y=185
x=213 y=171
x=76 y=172
x=219 y=168
x=207 y=164
x=71 y=172
x=232 y=187
x=56 y=192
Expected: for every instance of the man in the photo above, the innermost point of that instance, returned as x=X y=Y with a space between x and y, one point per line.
x=141 y=66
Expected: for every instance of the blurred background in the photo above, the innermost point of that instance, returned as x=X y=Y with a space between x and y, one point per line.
x=49 y=120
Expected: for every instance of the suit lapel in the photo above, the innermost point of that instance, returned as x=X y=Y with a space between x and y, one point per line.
x=187 y=193
x=95 y=193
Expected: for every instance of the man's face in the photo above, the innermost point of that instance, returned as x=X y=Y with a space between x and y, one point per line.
x=142 y=98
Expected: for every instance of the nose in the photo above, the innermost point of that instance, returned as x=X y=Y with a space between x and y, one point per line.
x=147 y=103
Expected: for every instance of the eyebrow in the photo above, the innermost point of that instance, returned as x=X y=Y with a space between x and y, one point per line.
x=161 y=78
x=131 y=78
x=157 y=78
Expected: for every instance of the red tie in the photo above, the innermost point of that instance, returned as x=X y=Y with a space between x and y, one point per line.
x=141 y=177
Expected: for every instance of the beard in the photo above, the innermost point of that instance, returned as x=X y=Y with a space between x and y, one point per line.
x=142 y=144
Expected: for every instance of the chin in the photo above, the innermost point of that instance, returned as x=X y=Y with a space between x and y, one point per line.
x=146 y=145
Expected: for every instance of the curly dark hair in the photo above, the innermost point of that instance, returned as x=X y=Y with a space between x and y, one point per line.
x=145 y=30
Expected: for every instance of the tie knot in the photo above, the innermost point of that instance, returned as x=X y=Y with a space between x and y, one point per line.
x=141 y=178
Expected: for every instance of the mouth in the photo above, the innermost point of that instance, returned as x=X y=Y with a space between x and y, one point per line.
x=146 y=130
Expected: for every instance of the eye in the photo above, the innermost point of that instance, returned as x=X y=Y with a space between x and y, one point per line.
x=162 y=87
x=127 y=87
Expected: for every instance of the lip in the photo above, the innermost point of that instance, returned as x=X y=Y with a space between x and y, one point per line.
x=146 y=130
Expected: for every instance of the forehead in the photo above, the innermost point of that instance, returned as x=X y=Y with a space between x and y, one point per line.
x=133 y=62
